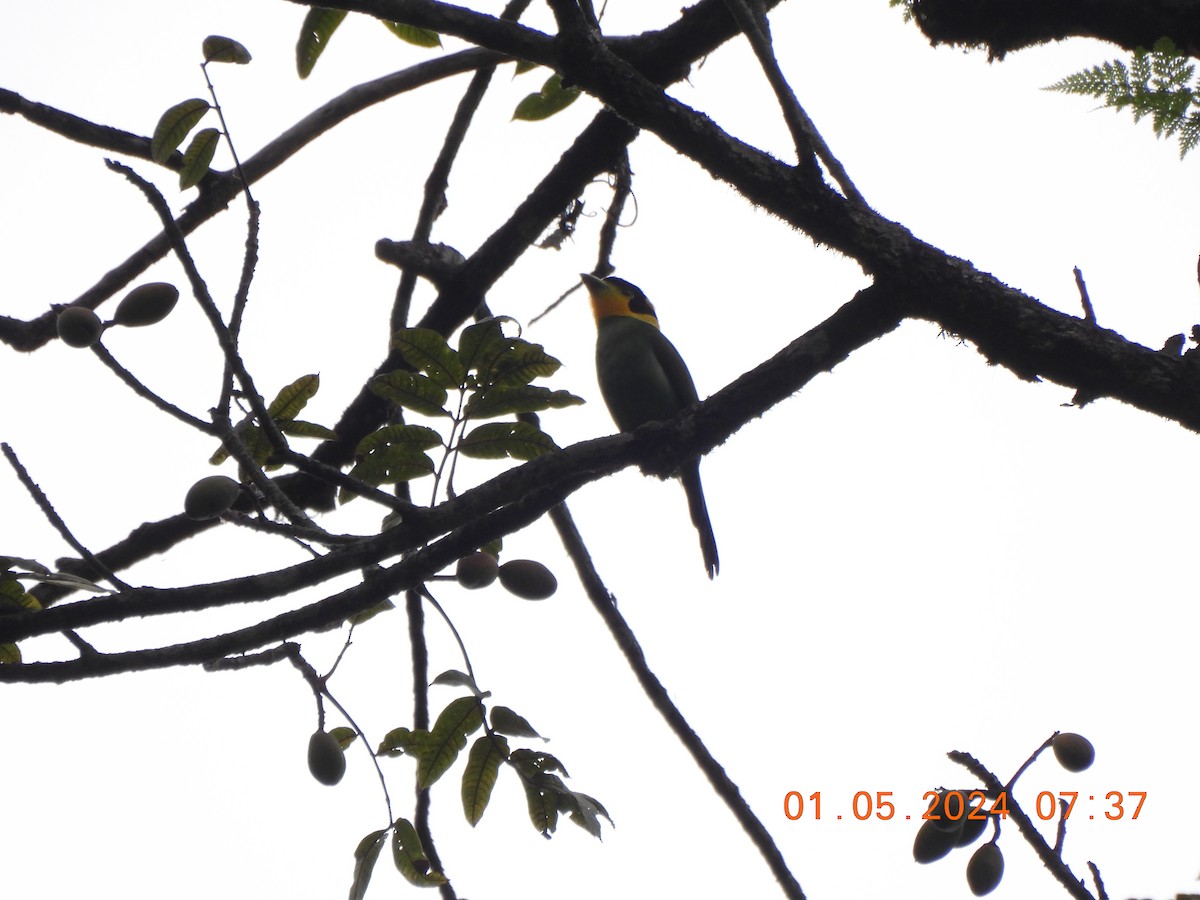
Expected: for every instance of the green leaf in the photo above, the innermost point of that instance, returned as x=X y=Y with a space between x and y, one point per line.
x=535 y=762
x=297 y=428
x=551 y=99
x=218 y=48
x=481 y=344
x=411 y=390
x=523 y=66
x=255 y=440
x=421 y=37
x=523 y=363
x=525 y=398
x=505 y=721
x=401 y=741
x=173 y=126
x=455 y=678
x=368 y=614
x=427 y=351
x=479 y=776
x=9 y=653
x=543 y=807
x=364 y=862
x=14 y=599
x=410 y=858
x=198 y=157
x=319 y=26
x=343 y=735
x=416 y=437
x=585 y=812
x=448 y=737
x=292 y=399
x=500 y=440
x=392 y=465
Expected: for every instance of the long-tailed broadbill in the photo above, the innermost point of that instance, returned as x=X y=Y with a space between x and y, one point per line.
x=644 y=379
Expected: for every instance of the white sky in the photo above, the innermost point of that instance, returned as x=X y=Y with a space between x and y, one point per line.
x=919 y=553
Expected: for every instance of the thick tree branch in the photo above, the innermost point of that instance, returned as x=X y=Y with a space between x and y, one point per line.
x=1006 y=25
x=666 y=54
x=1002 y=322
x=525 y=491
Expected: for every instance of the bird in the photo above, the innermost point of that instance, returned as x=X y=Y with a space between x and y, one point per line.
x=644 y=379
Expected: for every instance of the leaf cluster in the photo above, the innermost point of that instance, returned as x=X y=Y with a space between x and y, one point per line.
x=288 y=404
x=1155 y=84
x=490 y=375
x=320 y=24
x=437 y=749
x=177 y=122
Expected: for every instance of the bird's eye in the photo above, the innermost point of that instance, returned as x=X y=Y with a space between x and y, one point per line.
x=639 y=304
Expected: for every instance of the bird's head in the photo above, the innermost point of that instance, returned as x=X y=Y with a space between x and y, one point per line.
x=617 y=297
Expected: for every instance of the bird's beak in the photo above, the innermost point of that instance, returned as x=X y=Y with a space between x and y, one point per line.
x=595 y=286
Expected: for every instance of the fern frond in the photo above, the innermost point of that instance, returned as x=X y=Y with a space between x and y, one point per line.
x=1189 y=134
x=1109 y=80
x=1154 y=84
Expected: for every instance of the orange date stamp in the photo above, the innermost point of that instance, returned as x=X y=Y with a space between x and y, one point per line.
x=953 y=806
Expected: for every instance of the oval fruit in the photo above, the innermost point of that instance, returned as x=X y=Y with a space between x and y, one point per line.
x=932 y=843
x=1073 y=751
x=985 y=869
x=146 y=304
x=326 y=761
x=211 y=496
x=973 y=825
x=477 y=570
x=78 y=326
x=950 y=810
x=528 y=579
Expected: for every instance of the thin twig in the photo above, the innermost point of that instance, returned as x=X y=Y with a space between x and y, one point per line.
x=1033 y=837
x=807 y=140
x=237 y=163
x=603 y=602
x=462 y=647
x=221 y=416
x=145 y=393
x=242 y=297
x=1095 y=870
x=52 y=516
x=1089 y=313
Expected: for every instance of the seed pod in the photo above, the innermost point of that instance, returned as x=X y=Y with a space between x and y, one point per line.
x=1074 y=752
x=78 y=326
x=932 y=843
x=528 y=579
x=146 y=304
x=985 y=869
x=326 y=761
x=950 y=810
x=211 y=496
x=477 y=570
x=972 y=829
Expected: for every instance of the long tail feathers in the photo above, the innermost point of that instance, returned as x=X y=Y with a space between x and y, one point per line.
x=695 y=496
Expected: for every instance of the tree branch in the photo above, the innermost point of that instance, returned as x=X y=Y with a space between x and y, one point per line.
x=219 y=188
x=724 y=786
x=1006 y=25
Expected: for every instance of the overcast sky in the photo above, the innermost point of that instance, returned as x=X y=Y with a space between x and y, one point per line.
x=919 y=553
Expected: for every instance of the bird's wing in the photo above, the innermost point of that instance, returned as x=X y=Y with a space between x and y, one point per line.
x=676 y=371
